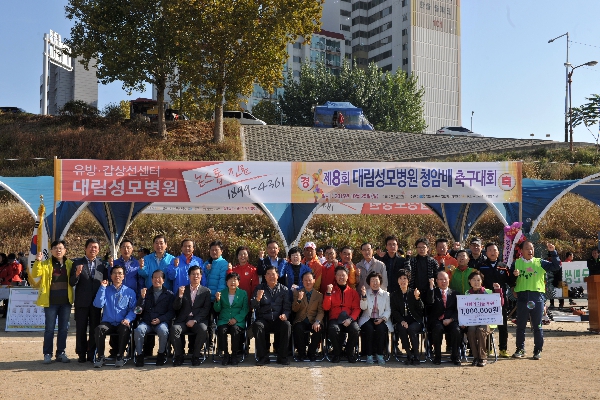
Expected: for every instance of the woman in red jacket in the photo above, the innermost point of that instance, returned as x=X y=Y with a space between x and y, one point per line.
x=247 y=272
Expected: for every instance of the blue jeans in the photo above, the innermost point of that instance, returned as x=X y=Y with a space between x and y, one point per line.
x=63 y=312
x=523 y=315
x=161 y=330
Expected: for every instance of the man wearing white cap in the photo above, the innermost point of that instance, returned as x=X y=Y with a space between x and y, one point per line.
x=311 y=259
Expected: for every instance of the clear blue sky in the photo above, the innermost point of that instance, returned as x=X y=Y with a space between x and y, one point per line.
x=512 y=78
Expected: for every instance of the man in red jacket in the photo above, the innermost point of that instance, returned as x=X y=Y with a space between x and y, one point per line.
x=343 y=304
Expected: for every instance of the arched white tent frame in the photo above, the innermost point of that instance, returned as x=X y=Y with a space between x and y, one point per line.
x=536 y=221
x=21 y=200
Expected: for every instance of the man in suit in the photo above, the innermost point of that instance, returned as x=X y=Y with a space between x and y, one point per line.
x=87 y=274
x=192 y=305
x=157 y=313
x=443 y=317
x=308 y=306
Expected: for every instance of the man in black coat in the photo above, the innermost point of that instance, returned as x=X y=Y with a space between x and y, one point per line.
x=156 y=315
x=192 y=305
x=495 y=271
x=443 y=317
x=273 y=307
x=87 y=274
x=393 y=262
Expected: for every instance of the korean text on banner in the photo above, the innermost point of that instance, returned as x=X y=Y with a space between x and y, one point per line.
x=213 y=182
x=352 y=182
x=479 y=309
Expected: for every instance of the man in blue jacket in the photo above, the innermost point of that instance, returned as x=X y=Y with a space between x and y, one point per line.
x=118 y=304
x=157 y=312
x=131 y=266
x=177 y=271
x=160 y=259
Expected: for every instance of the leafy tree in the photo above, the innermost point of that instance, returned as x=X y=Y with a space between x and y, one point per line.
x=391 y=102
x=132 y=41
x=78 y=108
x=589 y=113
x=125 y=109
x=268 y=112
x=233 y=45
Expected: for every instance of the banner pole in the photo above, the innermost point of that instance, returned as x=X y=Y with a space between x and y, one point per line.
x=54 y=206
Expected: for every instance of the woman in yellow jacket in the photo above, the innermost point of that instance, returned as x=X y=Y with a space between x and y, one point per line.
x=56 y=296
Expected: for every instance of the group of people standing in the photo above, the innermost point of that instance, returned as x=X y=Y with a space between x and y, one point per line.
x=303 y=295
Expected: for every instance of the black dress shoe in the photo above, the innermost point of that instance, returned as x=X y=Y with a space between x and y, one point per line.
x=225 y=359
x=161 y=359
x=301 y=357
x=456 y=361
x=408 y=361
x=283 y=361
x=437 y=360
x=233 y=360
x=178 y=361
x=312 y=357
x=263 y=361
x=335 y=359
x=196 y=361
x=139 y=360
x=82 y=358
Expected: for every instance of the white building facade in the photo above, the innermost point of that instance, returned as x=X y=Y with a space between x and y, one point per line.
x=421 y=37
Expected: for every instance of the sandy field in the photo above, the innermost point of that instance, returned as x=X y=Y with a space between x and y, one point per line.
x=570 y=368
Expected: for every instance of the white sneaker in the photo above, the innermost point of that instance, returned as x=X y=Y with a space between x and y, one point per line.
x=47 y=358
x=119 y=362
x=99 y=362
x=63 y=358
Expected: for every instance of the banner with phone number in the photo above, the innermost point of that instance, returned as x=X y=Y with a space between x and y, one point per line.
x=229 y=182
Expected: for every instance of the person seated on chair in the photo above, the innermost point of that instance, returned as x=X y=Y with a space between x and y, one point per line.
x=192 y=304
x=375 y=318
x=407 y=314
x=443 y=317
x=232 y=305
x=156 y=315
x=271 y=302
x=117 y=302
x=308 y=306
x=343 y=304
x=478 y=334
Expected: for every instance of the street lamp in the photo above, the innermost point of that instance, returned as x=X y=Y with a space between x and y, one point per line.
x=472 y=112
x=566 y=84
x=569 y=80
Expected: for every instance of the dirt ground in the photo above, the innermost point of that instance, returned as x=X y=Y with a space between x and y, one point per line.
x=569 y=369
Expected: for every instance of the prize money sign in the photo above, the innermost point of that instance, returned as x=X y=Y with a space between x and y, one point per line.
x=479 y=309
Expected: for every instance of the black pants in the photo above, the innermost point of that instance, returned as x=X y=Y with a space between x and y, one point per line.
x=262 y=328
x=437 y=332
x=409 y=337
x=179 y=329
x=84 y=317
x=503 y=329
x=235 y=332
x=335 y=331
x=374 y=337
x=300 y=331
x=123 y=331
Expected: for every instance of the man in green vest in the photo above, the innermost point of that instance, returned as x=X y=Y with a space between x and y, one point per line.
x=528 y=276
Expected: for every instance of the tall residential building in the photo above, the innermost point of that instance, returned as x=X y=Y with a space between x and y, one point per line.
x=327 y=47
x=64 y=86
x=420 y=36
